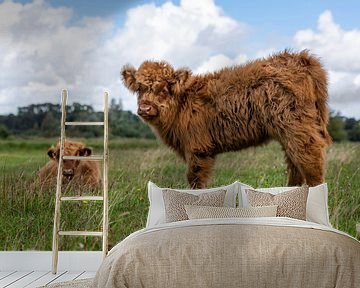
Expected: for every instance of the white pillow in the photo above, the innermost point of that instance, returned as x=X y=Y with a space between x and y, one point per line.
x=317 y=202
x=156 y=213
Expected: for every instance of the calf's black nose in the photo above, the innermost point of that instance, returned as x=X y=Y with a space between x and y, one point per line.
x=68 y=172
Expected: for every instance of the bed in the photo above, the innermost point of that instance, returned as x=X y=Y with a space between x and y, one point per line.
x=234 y=252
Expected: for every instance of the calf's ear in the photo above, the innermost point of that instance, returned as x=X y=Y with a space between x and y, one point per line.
x=85 y=151
x=128 y=78
x=180 y=78
x=51 y=153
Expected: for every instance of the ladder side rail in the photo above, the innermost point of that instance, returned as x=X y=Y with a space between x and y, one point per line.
x=55 y=244
x=105 y=179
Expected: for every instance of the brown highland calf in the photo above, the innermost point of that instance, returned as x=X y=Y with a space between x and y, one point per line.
x=283 y=97
x=80 y=172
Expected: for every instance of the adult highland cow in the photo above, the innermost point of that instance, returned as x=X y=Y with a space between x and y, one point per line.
x=283 y=97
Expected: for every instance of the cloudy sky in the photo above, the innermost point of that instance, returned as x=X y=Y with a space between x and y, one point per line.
x=48 y=45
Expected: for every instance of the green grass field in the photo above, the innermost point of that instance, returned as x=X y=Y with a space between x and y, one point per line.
x=26 y=210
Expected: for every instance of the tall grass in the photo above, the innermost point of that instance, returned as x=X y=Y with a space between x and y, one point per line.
x=26 y=210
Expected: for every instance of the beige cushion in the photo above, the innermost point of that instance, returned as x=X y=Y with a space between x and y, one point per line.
x=201 y=212
x=290 y=204
x=175 y=201
x=156 y=213
x=317 y=202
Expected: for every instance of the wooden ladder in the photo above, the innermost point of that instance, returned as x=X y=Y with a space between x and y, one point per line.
x=59 y=198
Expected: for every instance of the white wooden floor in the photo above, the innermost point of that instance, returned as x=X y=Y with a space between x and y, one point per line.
x=32 y=268
x=32 y=279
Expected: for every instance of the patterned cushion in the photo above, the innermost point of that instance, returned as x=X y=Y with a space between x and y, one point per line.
x=316 y=206
x=290 y=204
x=200 y=212
x=175 y=201
x=156 y=213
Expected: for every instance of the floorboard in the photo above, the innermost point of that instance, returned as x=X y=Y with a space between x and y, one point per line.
x=5 y=274
x=12 y=278
x=34 y=279
x=31 y=269
x=87 y=275
x=46 y=279
x=28 y=279
x=68 y=276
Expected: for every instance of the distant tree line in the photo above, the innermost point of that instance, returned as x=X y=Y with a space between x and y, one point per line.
x=342 y=128
x=43 y=120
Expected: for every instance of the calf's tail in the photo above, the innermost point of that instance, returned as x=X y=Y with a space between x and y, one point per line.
x=319 y=82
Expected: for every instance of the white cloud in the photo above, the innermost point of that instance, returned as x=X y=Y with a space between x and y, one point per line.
x=344 y=88
x=44 y=50
x=184 y=35
x=339 y=51
x=357 y=80
x=220 y=61
x=262 y=53
x=339 y=47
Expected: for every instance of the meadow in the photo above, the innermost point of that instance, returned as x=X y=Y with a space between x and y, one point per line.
x=26 y=210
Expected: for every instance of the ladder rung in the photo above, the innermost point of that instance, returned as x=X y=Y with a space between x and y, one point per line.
x=81 y=233
x=84 y=123
x=88 y=158
x=83 y=198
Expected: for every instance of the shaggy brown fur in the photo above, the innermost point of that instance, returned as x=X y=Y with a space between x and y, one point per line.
x=80 y=172
x=283 y=97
